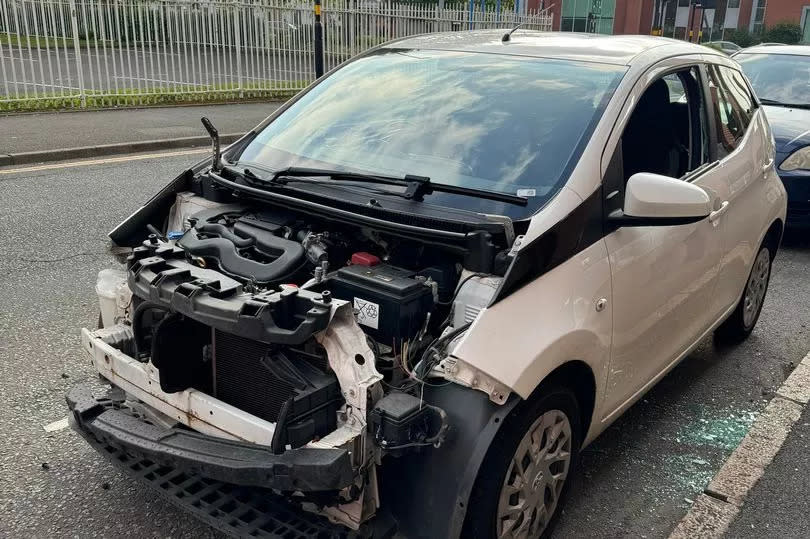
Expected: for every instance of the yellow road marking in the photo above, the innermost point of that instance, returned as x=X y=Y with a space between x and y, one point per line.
x=71 y=164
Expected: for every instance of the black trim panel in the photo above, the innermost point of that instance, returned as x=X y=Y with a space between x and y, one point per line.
x=578 y=230
x=619 y=219
x=428 y=492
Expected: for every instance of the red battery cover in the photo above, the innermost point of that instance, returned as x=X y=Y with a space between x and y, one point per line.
x=363 y=258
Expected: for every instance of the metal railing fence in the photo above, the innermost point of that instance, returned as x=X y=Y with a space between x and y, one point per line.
x=79 y=53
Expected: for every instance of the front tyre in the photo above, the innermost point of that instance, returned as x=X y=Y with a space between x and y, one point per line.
x=741 y=323
x=524 y=478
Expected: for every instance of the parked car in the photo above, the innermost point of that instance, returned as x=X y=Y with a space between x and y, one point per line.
x=728 y=47
x=415 y=292
x=781 y=78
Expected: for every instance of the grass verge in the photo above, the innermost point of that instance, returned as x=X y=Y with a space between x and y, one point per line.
x=133 y=97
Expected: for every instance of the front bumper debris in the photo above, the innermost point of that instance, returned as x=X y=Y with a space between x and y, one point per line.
x=106 y=421
x=159 y=273
x=234 y=510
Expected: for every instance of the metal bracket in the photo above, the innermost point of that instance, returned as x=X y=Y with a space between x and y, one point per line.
x=418 y=187
x=456 y=370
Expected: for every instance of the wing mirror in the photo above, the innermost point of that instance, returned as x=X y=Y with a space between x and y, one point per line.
x=655 y=200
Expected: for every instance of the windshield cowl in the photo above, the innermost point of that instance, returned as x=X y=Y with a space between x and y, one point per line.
x=351 y=204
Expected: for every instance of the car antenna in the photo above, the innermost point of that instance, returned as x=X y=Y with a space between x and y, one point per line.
x=508 y=35
x=216 y=165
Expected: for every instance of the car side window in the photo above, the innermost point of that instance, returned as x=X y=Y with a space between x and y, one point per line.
x=666 y=133
x=733 y=107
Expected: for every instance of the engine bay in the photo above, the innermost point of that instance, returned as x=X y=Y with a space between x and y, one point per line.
x=394 y=283
x=326 y=330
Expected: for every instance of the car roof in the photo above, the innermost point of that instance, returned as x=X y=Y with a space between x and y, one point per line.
x=803 y=50
x=611 y=49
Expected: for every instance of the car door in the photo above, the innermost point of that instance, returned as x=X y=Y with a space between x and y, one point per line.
x=744 y=151
x=664 y=277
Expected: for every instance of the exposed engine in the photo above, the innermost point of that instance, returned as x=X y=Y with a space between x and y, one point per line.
x=393 y=284
x=324 y=330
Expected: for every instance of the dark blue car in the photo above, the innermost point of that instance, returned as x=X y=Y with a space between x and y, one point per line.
x=781 y=78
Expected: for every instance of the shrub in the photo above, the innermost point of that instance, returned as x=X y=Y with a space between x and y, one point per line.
x=743 y=38
x=788 y=33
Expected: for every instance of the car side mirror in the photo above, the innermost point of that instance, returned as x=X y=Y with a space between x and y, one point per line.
x=656 y=200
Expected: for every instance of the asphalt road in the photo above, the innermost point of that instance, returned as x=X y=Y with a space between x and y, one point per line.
x=636 y=480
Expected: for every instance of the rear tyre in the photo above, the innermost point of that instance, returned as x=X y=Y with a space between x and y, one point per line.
x=525 y=476
x=741 y=323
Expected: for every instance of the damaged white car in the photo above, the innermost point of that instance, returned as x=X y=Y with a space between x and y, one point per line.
x=405 y=301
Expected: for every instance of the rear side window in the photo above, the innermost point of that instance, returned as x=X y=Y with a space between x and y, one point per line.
x=733 y=107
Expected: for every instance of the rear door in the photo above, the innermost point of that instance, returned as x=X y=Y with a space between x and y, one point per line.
x=742 y=147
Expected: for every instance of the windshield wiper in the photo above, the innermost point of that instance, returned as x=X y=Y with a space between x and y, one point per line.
x=774 y=102
x=416 y=187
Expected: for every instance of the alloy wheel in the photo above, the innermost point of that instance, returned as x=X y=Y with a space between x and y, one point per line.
x=535 y=478
x=756 y=287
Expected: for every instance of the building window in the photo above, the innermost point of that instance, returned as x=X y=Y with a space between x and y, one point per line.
x=594 y=16
x=759 y=17
x=733 y=4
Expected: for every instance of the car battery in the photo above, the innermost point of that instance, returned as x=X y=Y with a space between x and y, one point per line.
x=389 y=303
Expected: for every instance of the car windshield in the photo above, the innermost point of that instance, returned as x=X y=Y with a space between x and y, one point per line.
x=501 y=123
x=779 y=78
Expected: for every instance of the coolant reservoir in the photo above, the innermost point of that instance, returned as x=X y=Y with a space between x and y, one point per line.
x=114 y=295
x=475 y=294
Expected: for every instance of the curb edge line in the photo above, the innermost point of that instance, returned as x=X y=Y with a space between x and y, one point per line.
x=83 y=152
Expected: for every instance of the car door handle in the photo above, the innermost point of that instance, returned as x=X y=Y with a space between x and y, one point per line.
x=767 y=166
x=715 y=215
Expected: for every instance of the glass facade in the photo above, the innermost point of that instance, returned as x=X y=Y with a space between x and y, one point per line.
x=593 y=16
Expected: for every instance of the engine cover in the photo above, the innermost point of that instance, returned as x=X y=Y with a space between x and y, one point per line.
x=244 y=244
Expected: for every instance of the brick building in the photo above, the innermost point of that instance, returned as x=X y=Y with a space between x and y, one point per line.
x=673 y=17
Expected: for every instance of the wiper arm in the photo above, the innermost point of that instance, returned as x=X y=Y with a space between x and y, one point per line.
x=416 y=187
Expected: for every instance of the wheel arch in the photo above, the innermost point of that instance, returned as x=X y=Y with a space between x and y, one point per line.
x=773 y=237
x=577 y=376
x=427 y=492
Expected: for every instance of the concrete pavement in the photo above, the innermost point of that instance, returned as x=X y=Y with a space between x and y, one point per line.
x=44 y=134
x=779 y=505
